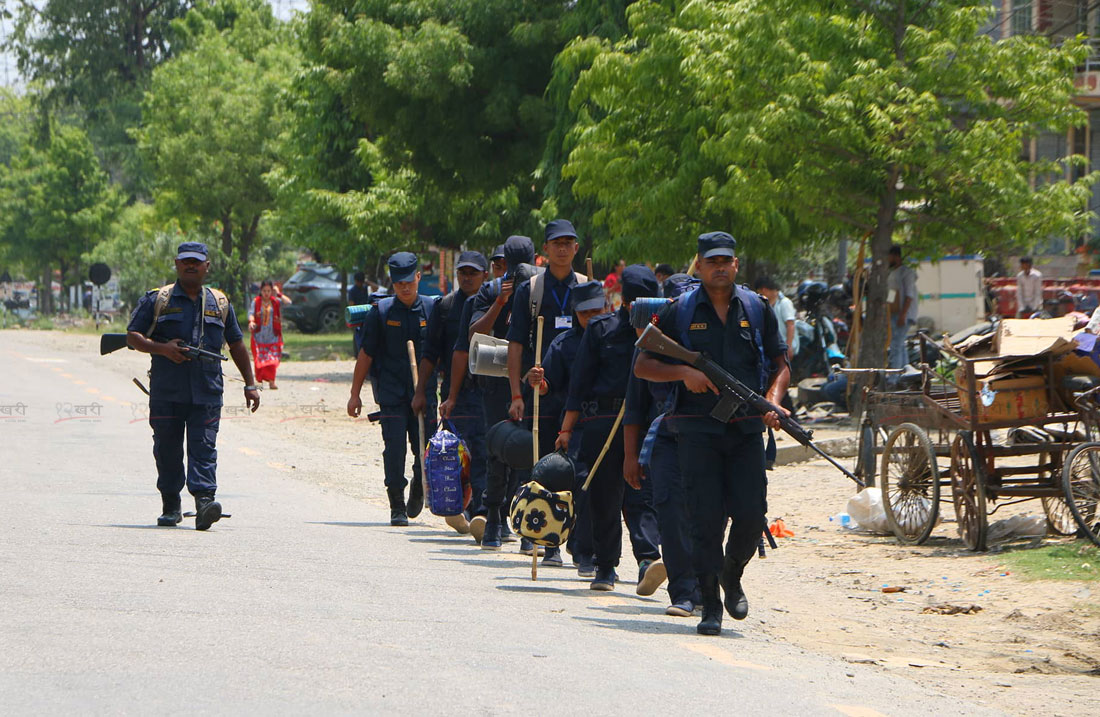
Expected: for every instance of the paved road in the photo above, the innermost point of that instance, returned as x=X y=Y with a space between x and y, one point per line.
x=308 y=601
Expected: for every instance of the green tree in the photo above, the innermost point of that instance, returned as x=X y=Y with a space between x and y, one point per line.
x=95 y=57
x=56 y=204
x=789 y=120
x=212 y=121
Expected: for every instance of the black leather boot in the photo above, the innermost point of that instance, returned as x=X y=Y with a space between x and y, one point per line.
x=737 y=605
x=416 y=498
x=170 y=511
x=398 y=516
x=207 y=511
x=711 y=624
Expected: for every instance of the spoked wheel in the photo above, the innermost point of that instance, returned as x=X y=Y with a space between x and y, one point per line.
x=866 y=463
x=968 y=491
x=910 y=482
x=1060 y=520
x=1081 y=483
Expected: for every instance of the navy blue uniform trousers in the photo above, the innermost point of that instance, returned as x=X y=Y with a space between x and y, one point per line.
x=468 y=421
x=673 y=519
x=399 y=424
x=171 y=421
x=724 y=479
x=609 y=502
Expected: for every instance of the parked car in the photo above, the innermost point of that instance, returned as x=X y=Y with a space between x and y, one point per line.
x=318 y=304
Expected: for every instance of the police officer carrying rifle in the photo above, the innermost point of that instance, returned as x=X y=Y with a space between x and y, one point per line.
x=444 y=328
x=383 y=355
x=722 y=464
x=185 y=388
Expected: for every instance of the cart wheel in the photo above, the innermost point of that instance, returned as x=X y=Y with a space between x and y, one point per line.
x=910 y=483
x=968 y=491
x=1081 y=483
x=1060 y=520
x=865 y=454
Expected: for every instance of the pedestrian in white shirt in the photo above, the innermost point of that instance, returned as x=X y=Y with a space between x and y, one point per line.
x=784 y=312
x=902 y=284
x=1029 y=289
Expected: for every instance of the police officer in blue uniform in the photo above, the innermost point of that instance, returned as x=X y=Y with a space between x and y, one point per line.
x=597 y=390
x=383 y=355
x=185 y=390
x=465 y=412
x=489 y=312
x=722 y=464
x=652 y=457
x=552 y=380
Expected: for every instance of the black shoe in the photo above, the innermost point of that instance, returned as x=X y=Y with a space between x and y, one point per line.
x=398 y=517
x=711 y=624
x=207 y=511
x=737 y=605
x=586 y=568
x=491 y=539
x=604 y=580
x=506 y=534
x=170 y=518
x=416 y=499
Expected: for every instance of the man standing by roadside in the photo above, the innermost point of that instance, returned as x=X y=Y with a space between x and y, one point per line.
x=1029 y=289
x=784 y=311
x=902 y=284
x=185 y=390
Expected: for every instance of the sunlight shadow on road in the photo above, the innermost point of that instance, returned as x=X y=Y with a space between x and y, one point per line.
x=141 y=527
x=649 y=627
x=350 y=525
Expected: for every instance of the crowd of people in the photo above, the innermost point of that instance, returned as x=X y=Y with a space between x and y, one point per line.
x=676 y=474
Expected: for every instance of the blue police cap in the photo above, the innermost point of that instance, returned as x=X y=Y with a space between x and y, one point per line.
x=716 y=244
x=403 y=266
x=474 y=259
x=588 y=296
x=638 y=281
x=560 y=228
x=498 y=253
x=191 y=250
x=518 y=250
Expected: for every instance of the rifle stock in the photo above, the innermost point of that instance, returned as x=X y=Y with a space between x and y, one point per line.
x=732 y=391
x=109 y=343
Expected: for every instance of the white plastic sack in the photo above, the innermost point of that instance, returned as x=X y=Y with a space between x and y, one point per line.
x=866 y=510
x=1028 y=525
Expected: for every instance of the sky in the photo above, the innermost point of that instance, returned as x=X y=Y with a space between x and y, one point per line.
x=9 y=74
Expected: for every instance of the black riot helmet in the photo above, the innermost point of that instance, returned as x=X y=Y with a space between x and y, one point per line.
x=555 y=472
x=811 y=294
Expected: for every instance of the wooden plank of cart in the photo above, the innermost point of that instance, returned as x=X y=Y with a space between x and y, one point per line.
x=905 y=435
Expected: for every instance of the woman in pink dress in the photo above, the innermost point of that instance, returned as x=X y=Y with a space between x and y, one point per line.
x=265 y=324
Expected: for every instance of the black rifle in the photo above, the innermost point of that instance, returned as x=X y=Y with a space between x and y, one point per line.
x=109 y=343
x=732 y=393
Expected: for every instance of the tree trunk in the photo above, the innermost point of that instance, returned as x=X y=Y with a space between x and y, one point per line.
x=872 y=346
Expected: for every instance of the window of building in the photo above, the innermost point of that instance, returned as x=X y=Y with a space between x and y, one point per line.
x=1021 y=17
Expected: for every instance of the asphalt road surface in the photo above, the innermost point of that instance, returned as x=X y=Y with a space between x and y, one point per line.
x=307 y=601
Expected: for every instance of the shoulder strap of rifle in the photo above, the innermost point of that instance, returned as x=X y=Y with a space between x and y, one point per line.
x=163 y=294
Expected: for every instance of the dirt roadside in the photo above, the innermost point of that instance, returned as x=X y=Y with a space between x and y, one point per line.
x=1031 y=648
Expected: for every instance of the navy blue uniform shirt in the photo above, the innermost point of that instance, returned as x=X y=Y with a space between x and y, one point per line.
x=730 y=345
x=645 y=400
x=386 y=345
x=200 y=379
x=555 y=302
x=557 y=366
x=445 y=327
x=603 y=360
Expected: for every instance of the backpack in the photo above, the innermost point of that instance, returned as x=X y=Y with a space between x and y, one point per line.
x=383 y=308
x=538 y=288
x=447 y=471
x=164 y=293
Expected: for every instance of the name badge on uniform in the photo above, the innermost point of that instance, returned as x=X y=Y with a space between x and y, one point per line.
x=423 y=323
x=392 y=322
x=699 y=327
x=212 y=314
x=744 y=324
x=563 y=322
x=171 y=310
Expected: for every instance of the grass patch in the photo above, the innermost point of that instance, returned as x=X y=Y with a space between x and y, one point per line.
x=318 y=347
x=1069 y=561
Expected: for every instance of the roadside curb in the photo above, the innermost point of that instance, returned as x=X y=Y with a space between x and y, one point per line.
x=797 y=453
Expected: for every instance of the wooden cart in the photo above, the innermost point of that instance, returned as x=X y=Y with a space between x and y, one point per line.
x=905 y=436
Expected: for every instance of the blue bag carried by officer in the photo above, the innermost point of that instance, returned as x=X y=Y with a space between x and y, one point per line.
x=447 y=470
